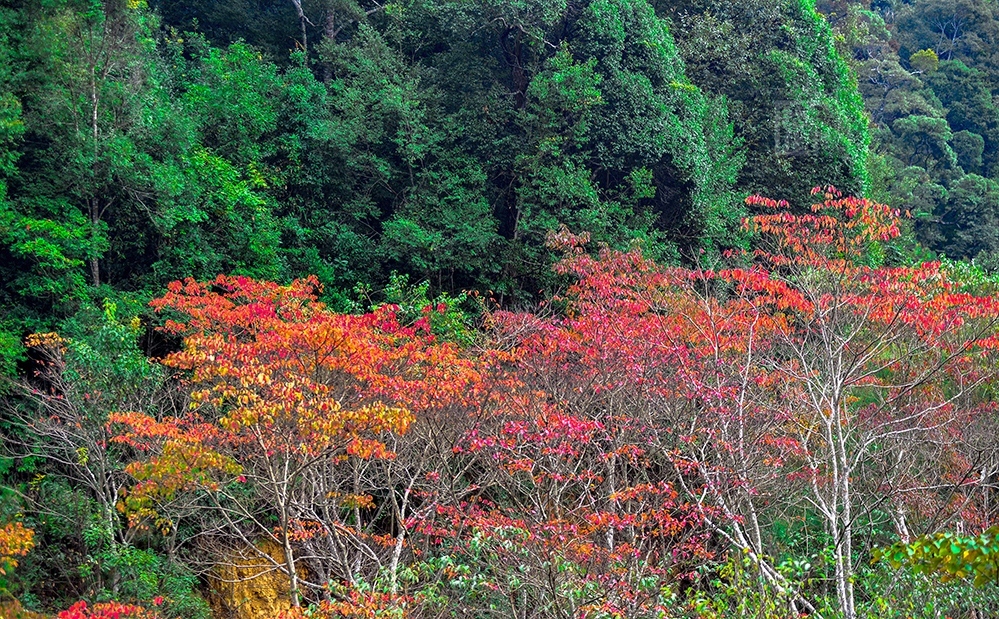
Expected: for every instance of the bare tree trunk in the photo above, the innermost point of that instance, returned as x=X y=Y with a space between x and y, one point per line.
x=612 y=506
x=840 y=508
x=95 y=271
x=289 y=558
x=329 y=35
x=94 y=206
x=302 y=22
x=398 y=515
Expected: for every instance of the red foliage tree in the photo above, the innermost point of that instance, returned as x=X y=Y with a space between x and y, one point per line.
x=106 y=610
x=807 y=378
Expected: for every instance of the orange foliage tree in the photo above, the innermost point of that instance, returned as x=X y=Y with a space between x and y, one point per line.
x=16 y=540
x=290 y=403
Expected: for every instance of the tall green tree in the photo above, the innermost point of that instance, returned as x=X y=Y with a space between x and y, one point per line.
x=966 y=96
x=555 y=115
x=791 y=95
x=11 y=130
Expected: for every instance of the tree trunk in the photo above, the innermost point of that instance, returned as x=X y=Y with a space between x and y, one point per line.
x=95 y=271
x=289 y=558
x=844 y=516
x=94 y=205
x=400 y=538
x=329 y=35
x=302 y=22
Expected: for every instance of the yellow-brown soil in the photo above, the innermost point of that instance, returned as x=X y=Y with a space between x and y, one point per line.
x=245 y=587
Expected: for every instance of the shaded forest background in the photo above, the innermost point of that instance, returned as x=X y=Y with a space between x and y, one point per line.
x=422 y=150
x=442 y=140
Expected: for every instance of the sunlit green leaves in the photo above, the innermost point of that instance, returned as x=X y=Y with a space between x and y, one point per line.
x=949 y=556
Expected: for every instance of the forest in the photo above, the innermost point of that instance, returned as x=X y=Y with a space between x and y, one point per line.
x=534 y=309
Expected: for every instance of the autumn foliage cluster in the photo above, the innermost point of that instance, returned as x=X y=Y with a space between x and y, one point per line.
x=622 y=451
